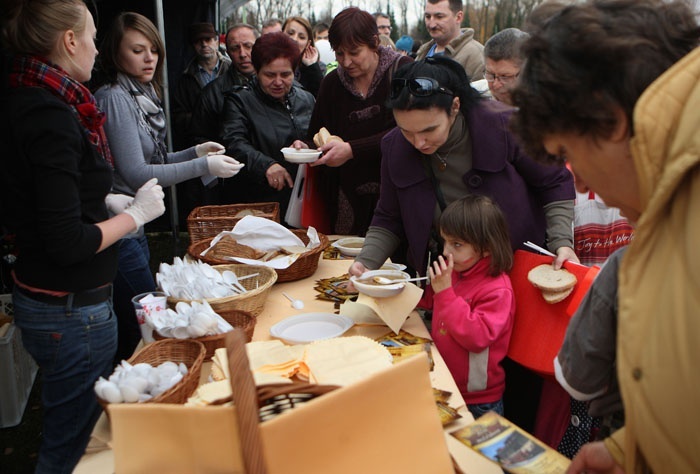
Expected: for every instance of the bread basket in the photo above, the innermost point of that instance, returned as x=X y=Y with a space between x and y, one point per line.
x=303 y=267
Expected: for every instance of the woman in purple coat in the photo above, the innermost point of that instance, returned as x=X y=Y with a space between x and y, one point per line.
x=448 y=143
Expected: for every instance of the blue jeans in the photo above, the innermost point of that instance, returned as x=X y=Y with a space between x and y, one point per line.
x=133 y=277
x=479 y=409
x=73 y=346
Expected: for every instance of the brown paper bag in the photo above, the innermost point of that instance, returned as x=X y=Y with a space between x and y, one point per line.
x=386 y=422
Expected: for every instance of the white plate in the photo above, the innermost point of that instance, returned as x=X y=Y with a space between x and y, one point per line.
x=305 y=328
x=305 y=155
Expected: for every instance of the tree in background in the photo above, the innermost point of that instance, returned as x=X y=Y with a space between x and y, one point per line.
x=485 y=16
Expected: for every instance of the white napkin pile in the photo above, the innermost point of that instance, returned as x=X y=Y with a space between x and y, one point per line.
x=267 y=235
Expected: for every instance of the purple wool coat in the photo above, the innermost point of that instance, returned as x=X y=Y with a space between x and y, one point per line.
x=518 y=184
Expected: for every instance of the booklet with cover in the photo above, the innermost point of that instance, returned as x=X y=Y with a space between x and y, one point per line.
x=514 y=449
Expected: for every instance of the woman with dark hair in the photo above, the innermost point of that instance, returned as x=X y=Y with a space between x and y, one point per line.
x=351 y=104
x=449 y=142
x=131 y=61
x=267 y=114
x=309 y=72
x=613 y=89
x=56 y=176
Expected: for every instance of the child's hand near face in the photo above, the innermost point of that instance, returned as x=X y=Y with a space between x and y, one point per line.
x=441 y=273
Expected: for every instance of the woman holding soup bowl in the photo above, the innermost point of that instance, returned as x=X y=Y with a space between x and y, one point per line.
x=274 y=99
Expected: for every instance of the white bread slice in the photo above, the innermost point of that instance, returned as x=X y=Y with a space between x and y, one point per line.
x=553 y=297
x=546 y=278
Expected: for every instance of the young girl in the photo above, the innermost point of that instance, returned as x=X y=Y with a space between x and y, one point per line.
x=472 y=300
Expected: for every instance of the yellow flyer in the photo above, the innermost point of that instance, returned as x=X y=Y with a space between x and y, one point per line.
x=514 y=449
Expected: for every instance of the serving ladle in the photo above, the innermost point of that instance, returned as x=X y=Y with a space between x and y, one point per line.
x=388 y=281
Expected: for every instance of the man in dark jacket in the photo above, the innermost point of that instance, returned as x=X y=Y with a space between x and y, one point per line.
x=205 y=124
x=207 y=64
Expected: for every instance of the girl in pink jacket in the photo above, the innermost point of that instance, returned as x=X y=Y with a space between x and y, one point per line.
x=472 y=300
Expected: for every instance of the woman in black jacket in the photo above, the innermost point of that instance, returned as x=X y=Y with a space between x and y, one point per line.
x=55 y=179
x=268 y=114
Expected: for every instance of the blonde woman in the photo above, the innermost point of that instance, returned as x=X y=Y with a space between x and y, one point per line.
x=56 y=176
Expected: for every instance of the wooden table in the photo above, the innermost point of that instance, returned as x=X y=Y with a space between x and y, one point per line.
x=99 y=457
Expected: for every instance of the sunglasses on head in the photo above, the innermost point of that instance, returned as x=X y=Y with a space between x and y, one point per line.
x=418 y=87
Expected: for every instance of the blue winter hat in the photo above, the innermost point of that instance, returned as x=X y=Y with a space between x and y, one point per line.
x=405 y=43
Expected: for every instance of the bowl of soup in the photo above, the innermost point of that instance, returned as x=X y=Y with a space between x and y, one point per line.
x=366 y=285
x=349 y=246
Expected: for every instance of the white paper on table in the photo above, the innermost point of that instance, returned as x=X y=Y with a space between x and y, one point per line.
x=361 y=314
x=394 y=310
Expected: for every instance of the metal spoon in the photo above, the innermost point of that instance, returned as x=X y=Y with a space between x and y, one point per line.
x=296 y=304
x=388 y=281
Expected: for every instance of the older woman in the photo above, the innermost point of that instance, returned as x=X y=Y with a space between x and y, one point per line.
x=56 y=173
x=449 y=142
x=351 y=105
x=309 y=73
x=267 y=114
x=132 y=57
x=612 y=88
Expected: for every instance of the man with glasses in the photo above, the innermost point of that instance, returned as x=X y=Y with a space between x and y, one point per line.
x=503 y=62
x=207 y=64
x=383 y=23
x=442 y=20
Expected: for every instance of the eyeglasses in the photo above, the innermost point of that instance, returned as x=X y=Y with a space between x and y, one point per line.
x=505 y=79
x=418 y=87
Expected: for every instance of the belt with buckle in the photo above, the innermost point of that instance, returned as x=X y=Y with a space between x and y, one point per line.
x=80 y=298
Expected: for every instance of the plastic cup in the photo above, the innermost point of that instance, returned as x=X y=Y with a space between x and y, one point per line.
x=159 y=303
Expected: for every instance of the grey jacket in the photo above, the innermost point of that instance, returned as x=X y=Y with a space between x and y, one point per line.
x=465 y=50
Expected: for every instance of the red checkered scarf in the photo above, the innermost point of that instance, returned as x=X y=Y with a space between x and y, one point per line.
x=30 y=71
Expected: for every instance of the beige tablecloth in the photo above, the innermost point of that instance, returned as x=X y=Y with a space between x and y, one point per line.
x=99 y=458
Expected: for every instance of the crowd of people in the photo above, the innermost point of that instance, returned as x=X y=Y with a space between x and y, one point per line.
x=447 y=157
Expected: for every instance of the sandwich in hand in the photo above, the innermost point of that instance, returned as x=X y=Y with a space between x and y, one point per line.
x=324 y=136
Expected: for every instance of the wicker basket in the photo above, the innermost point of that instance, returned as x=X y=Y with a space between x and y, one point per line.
x=252 y=301
x=238 y=319
x=208 y=221
x=188 y=351
x=303 y=267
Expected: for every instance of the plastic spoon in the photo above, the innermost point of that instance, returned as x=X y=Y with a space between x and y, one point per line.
x=389 y=281
x=296 y=304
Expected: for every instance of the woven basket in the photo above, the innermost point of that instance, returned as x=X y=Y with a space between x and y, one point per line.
x=253 y=301
x=238 y=319
x=303 y=267
x=188 y=351
x=208 y=221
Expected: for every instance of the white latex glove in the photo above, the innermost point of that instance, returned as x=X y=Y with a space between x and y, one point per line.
x=116 y=203
x=223 y=166
x=208 y=148
x=148 y=203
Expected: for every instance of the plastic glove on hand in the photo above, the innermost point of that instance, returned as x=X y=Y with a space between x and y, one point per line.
x=148 y=203
x=207 y=148
x=223 y=166
x=117 y=203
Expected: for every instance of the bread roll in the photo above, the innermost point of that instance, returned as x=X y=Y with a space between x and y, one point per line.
x=321 y=138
